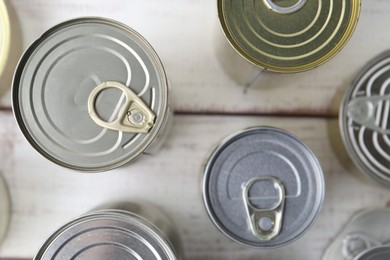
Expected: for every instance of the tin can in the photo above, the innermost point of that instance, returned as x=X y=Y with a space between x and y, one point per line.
x=91 y=94
x=364 y=120
x=366 y=236
x=288 y=36
x=129 y=231
x=263 y=187
x=5 y=36
x=378 y=253
x=5 y=208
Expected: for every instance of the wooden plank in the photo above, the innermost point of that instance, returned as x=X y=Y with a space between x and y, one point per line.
x=45 y=196
x=185 y=34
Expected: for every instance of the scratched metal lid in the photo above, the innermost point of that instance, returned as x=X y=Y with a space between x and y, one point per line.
x=90 y=94
x=288 y=35
x=364 y=119
x=263 y=187
x=378 y=253
x=107 y=235
x=5 y=36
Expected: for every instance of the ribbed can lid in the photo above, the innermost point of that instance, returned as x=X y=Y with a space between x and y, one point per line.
x=289 y=35
x=263 y=187
x=107 y=235
x=364 y=119
x=90 y=94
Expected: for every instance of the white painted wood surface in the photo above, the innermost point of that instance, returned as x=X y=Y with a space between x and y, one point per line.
x=45 y=196
x=183 y=32
x=186 y=35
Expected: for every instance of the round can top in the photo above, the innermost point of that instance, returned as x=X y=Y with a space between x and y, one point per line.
x=263 y=187
x=90 y=94
x=289 y=35
x=364 y=119
x=5 y=35
x=378 y=253
x=107 y=234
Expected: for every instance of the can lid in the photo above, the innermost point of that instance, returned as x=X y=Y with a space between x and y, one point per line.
x=263 y=187
x=364 y=119
x=288 y=36
x=90 y=94
x=378 y=253
x=107 y=235
x=5 y=35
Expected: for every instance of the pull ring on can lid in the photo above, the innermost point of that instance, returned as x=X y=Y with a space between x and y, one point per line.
x=265 y=223
x=258 y=182
x=62 y=120
x=134 y=116
x=285 y=10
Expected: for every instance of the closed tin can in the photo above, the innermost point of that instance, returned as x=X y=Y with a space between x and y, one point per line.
x=366 y=236
x=129 y=231
x=263 y=187
x=288 y=36
x=364 y=120
x=91 y=94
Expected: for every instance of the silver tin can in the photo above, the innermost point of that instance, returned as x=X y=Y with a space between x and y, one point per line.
x=91 y=94
x=128 y=231
x=378 y=253
x=368 y=230
x=263 y=187
x=364 y=120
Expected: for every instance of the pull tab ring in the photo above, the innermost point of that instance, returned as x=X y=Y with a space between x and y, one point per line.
x=265 y=223
x=134 y=116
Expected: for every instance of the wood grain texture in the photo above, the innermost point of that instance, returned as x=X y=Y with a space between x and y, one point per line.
x=187 y=37
x=45 y=196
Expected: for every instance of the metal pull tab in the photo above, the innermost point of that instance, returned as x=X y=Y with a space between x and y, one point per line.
x=285 y=10
x=362 y=111
x=134 y=116
x=265 y=223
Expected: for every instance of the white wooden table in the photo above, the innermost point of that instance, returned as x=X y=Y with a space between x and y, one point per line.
x=209 y=106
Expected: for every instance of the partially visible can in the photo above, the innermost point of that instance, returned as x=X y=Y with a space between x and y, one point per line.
x=5 y=35
x=366 y=236
x=288 y=36
x=123 y=231
x=5 y=208
x=364 y=120
x=263 y=187
x=378 y=253
x=91 y=94
x=10 y=44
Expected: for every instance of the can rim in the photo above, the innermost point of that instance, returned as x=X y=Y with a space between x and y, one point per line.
x=373 y=252
x=5 y=35
x=16 y=106
x=207 y=171
x=377 y=178
x=142 y=222
x=350 y=28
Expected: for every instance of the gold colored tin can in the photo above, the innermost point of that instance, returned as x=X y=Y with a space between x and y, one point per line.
x=10 y=44
x=288 y=35
x=5 y=36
